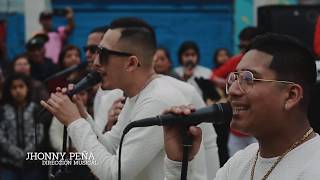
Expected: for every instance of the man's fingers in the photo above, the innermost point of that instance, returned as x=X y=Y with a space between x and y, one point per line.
x=70 y=87
x=119 y=105
x=64 y=90
x=52 y=103
x=58 y=89
x=47 y=106
x=197 y=138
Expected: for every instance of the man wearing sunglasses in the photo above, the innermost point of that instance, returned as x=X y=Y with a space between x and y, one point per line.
x=94 y=38
x=269 y=93
x=124 y=61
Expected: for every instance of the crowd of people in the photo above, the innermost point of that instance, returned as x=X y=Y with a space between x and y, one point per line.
x=269 y=86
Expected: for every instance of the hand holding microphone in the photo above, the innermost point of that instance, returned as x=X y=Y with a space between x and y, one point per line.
x=173 y=139
x=60 y=104
x=178 y=117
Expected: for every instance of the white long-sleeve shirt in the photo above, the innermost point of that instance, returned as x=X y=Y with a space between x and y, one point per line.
x=302 y=163
x=142 y=153
x=103 y=102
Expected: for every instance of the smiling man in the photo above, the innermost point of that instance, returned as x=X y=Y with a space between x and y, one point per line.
x=125 y=61
x=269 y=94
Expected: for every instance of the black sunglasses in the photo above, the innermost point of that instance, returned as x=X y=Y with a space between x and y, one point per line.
x=104 y=54
x=92 y=48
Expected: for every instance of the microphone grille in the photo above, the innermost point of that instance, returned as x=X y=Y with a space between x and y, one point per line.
x=94 y=77
x=226 y=111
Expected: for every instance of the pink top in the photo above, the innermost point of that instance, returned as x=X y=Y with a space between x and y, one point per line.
x=55 y=43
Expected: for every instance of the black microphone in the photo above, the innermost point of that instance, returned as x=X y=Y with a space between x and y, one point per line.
x=68 y=70
x=85 y=83
x=215 y=114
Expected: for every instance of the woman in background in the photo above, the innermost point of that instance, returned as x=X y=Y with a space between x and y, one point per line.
x=17 y=131
x=163 y=63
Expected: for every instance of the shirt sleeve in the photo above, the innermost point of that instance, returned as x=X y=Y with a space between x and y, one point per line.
x=230 y=66
x=316 y=42
x=140 y=147
x=172 y=170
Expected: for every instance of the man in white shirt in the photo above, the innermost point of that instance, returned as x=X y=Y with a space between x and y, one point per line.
x=269 y=94
x=125 y=62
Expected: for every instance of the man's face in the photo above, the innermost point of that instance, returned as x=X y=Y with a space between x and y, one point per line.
x=46 y=23
x=189 y=58
x=111 y=69
x=256 y=108
x=93 y=40
x=37 y=54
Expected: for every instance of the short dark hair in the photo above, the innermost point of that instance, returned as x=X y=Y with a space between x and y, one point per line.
x=139 y=32
x=292 y=61
x=248 y=33
x=99 y=29
x=188 y=45
x=7 y=97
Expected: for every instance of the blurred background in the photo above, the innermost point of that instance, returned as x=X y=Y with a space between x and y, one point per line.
x=210 y=23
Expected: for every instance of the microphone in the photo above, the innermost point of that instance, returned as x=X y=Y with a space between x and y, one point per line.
x=68 y=70
x=215 y=114
x=85 y=83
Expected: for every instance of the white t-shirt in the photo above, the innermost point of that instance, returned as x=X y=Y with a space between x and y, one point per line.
x=105 y=101
x=302 y=163
x=142 y=153
x=199 y=71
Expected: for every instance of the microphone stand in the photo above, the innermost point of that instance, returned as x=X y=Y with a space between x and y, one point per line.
x=187 y=143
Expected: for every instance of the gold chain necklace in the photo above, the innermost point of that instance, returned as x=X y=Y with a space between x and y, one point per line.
x=294 y=145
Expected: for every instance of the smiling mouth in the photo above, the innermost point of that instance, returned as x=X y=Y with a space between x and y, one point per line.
x=237 y=110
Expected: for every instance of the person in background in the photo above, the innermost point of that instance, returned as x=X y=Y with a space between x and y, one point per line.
x=220 y=74
x=71 y=56
x=189 y=58
x=269 y=93
x=17 y=133
x=21 y=64
x=163 y=63
x=102 y=99
x=220 y=57
x=42 y=67
x=90 y=50
x=57 y=36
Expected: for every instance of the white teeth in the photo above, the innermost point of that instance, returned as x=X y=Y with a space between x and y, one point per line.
x=239 y=109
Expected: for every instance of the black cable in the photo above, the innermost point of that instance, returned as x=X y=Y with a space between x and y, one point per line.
x=120 y=149
x=35 y=132
x=187 y=143
x=184 y=169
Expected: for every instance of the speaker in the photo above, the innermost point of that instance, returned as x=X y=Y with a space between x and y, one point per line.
x=298 y=21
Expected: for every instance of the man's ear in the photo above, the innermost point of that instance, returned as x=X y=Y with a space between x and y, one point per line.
x=294 y=96
x=132 y=63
